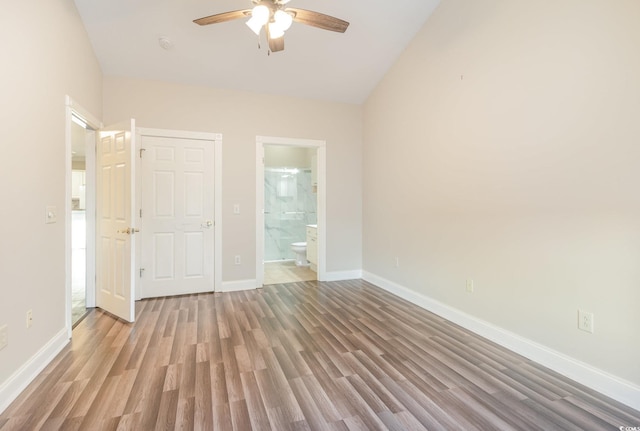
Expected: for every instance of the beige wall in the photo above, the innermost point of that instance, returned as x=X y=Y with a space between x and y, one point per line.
x=46 y=55
x=503 y=146
x=240 y=117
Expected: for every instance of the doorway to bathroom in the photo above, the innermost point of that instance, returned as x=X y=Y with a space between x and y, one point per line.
x=291 y=210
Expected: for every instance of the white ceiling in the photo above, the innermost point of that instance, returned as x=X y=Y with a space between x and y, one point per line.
x=316 y=63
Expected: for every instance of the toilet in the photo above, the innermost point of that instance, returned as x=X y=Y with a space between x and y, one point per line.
x=300 y=248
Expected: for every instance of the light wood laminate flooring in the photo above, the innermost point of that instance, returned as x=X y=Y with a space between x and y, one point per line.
x=301 y=356
x=286 y=271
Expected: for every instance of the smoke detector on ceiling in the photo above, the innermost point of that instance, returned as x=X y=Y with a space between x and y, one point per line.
x=165 y=43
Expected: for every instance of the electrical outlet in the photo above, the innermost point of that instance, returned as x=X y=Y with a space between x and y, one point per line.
x=29 y=318
x=397 y=262
x=236 y=209
x=237 y=260
x=585 y=321
x=469 y=285
x=4 y=336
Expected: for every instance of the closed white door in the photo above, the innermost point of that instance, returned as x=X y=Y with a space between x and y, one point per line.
x=114 y=206
x=177 y=255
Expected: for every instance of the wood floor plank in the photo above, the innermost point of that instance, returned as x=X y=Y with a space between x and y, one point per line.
x=301 y=356
x=240 y=416
x=221 y=417
x=276 y=390
x=312 y=413
x=373 y=386
x=129 y=422
x=203 y=411
x=255 y=404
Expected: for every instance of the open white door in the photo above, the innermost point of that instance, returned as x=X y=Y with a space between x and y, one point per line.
x=115 y=221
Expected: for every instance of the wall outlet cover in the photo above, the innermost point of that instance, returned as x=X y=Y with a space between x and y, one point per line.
x=469 y=285
x=585 y=321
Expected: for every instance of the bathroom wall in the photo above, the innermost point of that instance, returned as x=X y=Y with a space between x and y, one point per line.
x=290 y=202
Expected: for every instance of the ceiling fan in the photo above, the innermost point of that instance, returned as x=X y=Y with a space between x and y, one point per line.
x=276 y=19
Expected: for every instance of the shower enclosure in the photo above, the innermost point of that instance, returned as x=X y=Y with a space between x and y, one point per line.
x=289 y=205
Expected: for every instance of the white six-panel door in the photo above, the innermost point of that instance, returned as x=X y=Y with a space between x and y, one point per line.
x=114 y=214
x=177 y=223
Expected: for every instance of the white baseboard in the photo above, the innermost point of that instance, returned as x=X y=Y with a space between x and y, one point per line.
x=235 y=286
x=585 y=374
x=19 y=381
x=343 y=275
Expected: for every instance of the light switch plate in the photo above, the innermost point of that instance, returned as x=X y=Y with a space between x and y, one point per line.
x=50 y=214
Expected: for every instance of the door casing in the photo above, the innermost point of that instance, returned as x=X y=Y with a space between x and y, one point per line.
x=321 y=154
x=217 y=142
x=71 y=108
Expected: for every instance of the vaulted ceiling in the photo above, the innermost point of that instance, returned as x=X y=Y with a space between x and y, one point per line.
x=316 y=63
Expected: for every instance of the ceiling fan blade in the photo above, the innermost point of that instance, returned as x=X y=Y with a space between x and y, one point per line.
x=317 y=19
x=276 y=45
x=223 y=17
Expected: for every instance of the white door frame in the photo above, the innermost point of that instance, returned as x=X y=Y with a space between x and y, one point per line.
x=321 y=149
x=73 y=108
x=217 y=195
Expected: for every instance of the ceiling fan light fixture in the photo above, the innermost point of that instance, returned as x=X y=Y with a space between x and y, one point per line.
x=261 y=14
x=275 y=31
x=254 y=25
x=276 y=20
x=283 y=20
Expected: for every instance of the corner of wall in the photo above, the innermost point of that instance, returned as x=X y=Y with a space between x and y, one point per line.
x=620 y=390
x=19 y=381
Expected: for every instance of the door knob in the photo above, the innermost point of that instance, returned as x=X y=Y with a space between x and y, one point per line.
x=129 y=231
x=207 y=224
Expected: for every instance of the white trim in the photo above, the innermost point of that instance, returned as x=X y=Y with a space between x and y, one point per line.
x=321 y=154
x=343 y=275
x=83 y=113
x=585 y=374
x=90 y=217
x=138 y=223
x=238 y=285
x=259 y=213
x=19 y=381
x=217 y=220
x=181 y=134
x=71 y=108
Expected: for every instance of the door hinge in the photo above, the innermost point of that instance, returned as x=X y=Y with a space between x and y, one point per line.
x=140 y=212
x=141 y=272
x=142 y=150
